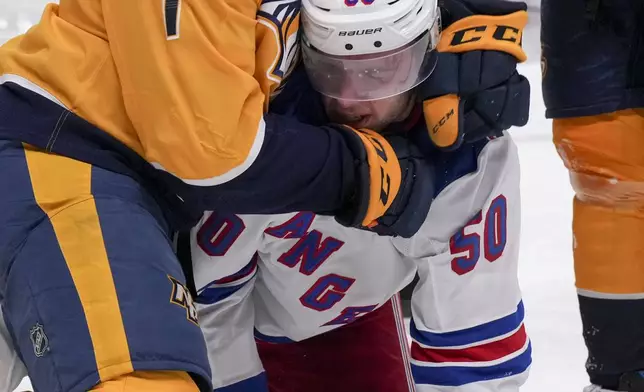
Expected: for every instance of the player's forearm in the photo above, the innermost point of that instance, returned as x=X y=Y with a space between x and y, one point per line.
x=299 y=168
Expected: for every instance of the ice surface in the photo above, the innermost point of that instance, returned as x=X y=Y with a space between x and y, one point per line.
x=546 y=260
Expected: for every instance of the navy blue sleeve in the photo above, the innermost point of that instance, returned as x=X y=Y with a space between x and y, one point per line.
x=300 y=168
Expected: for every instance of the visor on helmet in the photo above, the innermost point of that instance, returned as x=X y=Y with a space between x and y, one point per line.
x=374 y=76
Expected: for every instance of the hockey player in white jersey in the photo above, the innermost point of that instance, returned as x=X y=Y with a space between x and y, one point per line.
x=291 y=278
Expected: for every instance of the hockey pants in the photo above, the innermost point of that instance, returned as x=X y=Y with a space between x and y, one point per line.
x=91 y=291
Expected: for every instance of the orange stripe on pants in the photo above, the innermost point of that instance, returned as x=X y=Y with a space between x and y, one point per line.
x=62 y=188
x=150 y=381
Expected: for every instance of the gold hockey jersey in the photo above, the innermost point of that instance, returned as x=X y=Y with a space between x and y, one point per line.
x=183 y=83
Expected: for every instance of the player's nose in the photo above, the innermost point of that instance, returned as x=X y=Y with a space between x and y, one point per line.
x=348 y=92
x=345 y=104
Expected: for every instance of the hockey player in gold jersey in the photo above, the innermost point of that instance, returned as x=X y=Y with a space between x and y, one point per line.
x=593 y=69
x=120 y=122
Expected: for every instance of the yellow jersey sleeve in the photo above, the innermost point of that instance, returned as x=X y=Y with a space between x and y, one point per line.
x=186 y=70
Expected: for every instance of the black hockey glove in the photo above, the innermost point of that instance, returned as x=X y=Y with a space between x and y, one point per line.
x=395 y=185
x=475 y=90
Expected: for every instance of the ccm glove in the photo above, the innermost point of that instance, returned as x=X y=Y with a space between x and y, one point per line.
x=394 y=184
x=409 y=210
x=475 y=90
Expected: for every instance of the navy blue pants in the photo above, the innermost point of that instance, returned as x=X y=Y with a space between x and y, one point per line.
x=90 y=286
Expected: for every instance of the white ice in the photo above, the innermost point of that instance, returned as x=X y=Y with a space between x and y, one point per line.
x=546 y=271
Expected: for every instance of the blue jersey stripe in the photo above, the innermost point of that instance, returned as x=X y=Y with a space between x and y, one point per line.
x=472 y=335
x=461 y=375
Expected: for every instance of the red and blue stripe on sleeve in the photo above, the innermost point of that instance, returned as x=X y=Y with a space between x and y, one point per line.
x=495 y=350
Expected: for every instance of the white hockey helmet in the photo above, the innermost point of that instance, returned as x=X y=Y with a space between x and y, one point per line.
x=363 y=50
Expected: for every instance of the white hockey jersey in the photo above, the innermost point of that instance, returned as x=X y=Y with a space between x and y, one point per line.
x=289 y=277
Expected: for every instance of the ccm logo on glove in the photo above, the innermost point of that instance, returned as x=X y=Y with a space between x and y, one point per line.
x=477 y=33
x=484 y=32
x=440 y=117
x=385 y=179
x=382 y=167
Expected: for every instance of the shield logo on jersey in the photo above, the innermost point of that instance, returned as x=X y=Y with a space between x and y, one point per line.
x=282 y=18
x=39 y=340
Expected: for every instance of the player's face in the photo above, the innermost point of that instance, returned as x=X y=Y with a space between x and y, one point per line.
x=354 y=87
x=375 y=115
